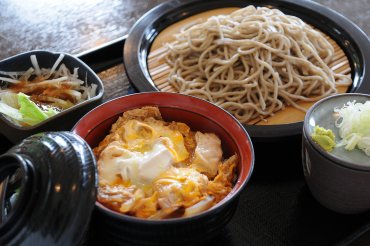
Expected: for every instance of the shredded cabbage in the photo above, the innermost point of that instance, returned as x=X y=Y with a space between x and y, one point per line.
x=354 y=126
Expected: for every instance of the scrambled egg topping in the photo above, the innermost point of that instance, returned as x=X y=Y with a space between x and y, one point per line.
x=154 y=169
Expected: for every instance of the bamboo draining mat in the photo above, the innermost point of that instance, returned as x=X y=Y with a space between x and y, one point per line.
x=159 y=70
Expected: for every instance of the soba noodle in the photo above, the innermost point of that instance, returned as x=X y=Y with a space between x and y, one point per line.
x=253 y=62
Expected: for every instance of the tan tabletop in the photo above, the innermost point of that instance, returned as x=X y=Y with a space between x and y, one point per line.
x=76 y=26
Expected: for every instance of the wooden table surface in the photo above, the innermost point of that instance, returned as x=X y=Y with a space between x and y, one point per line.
x=78 y=26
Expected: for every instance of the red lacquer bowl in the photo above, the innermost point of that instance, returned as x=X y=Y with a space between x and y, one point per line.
x=201 y=116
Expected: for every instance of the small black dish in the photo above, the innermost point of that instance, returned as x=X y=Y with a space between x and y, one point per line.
x=63 y=120
x=47 y=190
x=348 y=36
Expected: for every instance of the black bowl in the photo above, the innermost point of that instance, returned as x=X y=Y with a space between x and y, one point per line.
x=63 y=120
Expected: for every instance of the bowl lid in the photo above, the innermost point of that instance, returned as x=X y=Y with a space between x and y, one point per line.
x=47 y=190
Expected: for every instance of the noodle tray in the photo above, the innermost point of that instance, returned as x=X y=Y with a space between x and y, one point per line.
x=264 y=62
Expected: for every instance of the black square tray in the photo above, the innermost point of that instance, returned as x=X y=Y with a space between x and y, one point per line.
x=276 y=207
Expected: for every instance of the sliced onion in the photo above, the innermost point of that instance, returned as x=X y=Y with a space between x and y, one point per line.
x=13 y=81
x=60 y=58
x=199 y=207
x=35 y=64
x=354 y=126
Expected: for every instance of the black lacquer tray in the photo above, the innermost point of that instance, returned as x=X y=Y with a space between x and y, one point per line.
x=353 y=41
x=276 y=208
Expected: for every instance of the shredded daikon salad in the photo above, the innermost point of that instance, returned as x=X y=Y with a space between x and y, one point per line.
x=32 y=96
x=354 y=126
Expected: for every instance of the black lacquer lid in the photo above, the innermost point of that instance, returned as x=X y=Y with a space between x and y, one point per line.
x=47 y=190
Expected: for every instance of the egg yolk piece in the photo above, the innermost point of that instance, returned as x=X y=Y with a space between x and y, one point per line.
x=139 y=136
x=180 y=187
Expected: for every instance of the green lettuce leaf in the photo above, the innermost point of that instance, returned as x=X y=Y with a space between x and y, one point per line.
x=28 y=112
x=32 y=114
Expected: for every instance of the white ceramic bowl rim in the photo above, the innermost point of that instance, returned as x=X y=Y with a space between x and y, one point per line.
x=320 y=150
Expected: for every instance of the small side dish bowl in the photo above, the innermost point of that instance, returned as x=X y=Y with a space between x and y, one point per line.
x=63 y=120
x=339 y=179
x=199 y=115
